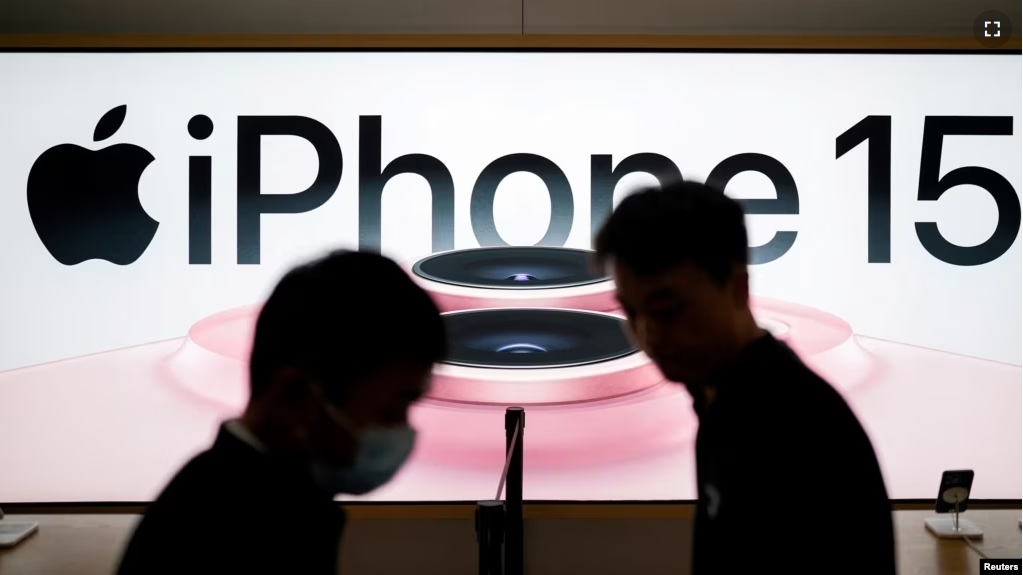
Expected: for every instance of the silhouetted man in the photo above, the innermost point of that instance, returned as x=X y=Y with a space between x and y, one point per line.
x=787 y=478
x=342 y=348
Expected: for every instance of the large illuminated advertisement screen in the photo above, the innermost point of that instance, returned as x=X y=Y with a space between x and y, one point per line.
x=149 y=202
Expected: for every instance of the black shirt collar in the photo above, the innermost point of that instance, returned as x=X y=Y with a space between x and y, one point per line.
x=736 y=372
x=293 y=476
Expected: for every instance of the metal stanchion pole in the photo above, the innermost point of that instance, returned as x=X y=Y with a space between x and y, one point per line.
x=490 y=536
x=514 y=426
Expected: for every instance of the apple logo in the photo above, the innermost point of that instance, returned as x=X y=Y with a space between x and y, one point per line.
x=85 y=204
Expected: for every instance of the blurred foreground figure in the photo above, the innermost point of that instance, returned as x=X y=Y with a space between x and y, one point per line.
x=787 y=477
x=342 y=348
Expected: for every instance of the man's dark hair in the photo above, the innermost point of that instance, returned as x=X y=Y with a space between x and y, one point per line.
x=658 y=228
x=342 y=317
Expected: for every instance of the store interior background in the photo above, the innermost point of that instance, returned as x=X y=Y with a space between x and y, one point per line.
x=597 y=538
x=934 y=18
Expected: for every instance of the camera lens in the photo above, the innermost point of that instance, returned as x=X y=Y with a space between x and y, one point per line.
x=534 y=338
x=529 y=267
x=515 y=277
x=521 y=348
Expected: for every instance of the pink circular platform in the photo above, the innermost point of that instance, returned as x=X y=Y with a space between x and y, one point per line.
x=610 y=411
x=118 y=410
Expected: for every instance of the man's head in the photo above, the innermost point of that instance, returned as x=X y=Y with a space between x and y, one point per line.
x=343 y=347
x=678 y=255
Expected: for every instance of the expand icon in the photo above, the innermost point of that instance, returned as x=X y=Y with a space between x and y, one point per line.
x=85 y=204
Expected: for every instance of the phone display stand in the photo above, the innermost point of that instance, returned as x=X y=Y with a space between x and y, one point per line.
x=14 y=532
x=954 y=527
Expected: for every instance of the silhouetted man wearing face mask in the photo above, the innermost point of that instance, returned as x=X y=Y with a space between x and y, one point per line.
x=788 y=479
x=342 y=347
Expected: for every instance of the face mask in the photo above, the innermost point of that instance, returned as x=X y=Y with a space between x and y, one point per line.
x=379 y=454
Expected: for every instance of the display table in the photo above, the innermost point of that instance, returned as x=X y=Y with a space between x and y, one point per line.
x=920 y=553
x=90 y=544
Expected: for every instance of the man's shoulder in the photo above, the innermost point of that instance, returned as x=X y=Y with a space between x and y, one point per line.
x=781 y=377
x=201 y=481
x=181 y=510
x=790 y=397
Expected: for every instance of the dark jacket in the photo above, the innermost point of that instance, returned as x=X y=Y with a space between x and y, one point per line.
x=788 y=478
x=233 y=509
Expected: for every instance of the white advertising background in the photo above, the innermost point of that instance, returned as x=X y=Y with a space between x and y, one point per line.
x=468 y=109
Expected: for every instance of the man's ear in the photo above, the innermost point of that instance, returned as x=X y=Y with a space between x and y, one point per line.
x=289 y=385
